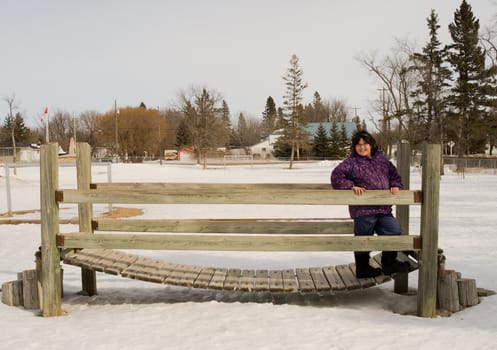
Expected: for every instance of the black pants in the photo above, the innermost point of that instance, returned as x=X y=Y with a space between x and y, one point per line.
x=382 y=225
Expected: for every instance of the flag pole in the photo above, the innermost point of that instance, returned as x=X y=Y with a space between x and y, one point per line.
x=47 y=139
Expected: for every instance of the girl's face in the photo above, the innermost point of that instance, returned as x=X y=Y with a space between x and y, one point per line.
x=363 y=149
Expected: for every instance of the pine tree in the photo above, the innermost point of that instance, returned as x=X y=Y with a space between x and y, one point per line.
x=281 y=122
x=269 y=117
x=225 y=115
x=335 y=141
x=235 y=141
x=226 y=122
x=430 y=104
x=316 y=111
x=292 y=102
x=183 y=137
x=344 y=142
x=472 y=90
x=357 y=121
x=14 y=125
x=242 y=130
x=321 y=144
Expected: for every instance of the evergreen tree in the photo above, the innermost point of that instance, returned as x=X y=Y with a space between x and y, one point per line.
x=225 y=115
x=269 y=117
x=292 y=102
x=335 y=141
x=473 y=88
x=281 y=122
x=283 y=146
x=357 y=121
x=14 y=126
x=344 y=142
x=183 y=137
x=321 y=144
x=316 y=111
x=242 y=130
x=226 y=122
x=320 y=114
x=430 y=101
x=235 y=141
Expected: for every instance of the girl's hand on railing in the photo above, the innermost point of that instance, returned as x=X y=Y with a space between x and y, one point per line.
x=358 y=190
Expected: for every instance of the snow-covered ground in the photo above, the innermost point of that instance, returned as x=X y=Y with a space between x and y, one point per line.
x=128 y=314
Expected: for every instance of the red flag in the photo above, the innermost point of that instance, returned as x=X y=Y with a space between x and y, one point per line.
x=45 y=111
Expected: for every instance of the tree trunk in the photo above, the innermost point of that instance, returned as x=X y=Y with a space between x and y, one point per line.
x=14 y=156
x=291 y=155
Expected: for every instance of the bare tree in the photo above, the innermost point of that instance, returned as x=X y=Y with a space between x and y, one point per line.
x=11 y=103
x=249 y=130
x=488 y=40
x=337 y=110
x=88 y=127
x=397 y=80
x=60 y=126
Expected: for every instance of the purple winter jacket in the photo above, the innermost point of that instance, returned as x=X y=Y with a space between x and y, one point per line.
x=375 y=173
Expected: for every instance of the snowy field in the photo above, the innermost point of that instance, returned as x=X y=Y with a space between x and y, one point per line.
x=128 y=314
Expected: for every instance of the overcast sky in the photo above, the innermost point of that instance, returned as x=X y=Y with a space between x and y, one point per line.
x=82 y=55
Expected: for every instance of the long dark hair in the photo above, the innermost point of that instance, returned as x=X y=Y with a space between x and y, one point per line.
x=367 y=137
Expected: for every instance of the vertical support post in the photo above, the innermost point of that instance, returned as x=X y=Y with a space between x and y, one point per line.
x=85 y=211
x=50 y=257
x=7 y=189
x=401 y=284
x=109 y=180
x=427 y=278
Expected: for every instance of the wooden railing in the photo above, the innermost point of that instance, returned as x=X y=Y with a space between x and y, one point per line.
x=255 y=234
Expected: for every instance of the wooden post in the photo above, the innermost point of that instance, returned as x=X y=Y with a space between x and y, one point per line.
x=12 y=293
x=468 y=293
x=448 y=296
x=85 y=211
x=427 y=278
x=51 y=303
x=401 y=284
x=30 y=295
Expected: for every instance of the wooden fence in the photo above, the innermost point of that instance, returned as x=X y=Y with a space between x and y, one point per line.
x=230 y=234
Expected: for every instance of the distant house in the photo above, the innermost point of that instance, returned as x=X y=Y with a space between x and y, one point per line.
x=265 y=148
x=29 y=154
x=185 y=154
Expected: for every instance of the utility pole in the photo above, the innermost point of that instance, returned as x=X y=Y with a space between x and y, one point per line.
x=356 y=118
x=74 y=127
x=355 y=111
x=161 y=152
x=385 y=125
x=116 y=127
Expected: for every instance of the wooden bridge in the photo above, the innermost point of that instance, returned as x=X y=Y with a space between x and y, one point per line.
x=297 y=280
x=95 y=246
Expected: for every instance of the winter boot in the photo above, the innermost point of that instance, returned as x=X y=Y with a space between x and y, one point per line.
x=391 y=265
x=362 y=267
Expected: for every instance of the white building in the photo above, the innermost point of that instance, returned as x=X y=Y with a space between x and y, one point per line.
x=265 y=148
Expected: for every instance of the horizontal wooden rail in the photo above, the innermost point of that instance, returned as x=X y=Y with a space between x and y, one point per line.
x=239 y=196
x=237 y=243
x=249 y=226
x=216 y=187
